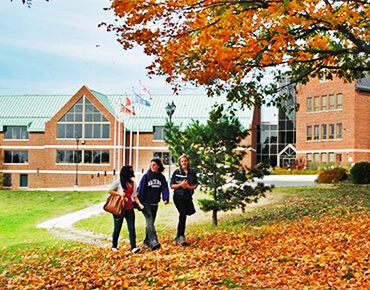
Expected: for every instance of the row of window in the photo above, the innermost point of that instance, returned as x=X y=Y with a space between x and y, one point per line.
x=324 y=131
x=326 y=157
x=324 y=103
x=63 y=156
x=77 y=156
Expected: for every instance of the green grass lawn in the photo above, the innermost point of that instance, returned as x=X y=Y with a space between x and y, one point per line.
x=21 y=211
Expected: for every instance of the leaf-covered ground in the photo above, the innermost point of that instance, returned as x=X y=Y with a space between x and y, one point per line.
x=328 y=252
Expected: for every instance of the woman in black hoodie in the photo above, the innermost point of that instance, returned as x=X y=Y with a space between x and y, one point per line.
x=152 y=184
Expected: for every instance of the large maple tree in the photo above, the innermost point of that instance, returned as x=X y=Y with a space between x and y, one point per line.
x=229 y=46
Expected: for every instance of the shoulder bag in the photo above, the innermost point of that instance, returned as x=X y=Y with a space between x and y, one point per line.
x=115 y=205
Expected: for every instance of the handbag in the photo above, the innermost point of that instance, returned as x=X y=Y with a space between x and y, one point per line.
x=115 y=205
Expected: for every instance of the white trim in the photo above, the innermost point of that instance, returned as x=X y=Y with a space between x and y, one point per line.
x=57 y=171
x=334 y=150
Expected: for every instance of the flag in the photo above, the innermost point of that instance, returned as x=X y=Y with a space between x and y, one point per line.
x=140 y=100
x=128 y=102
x=144 y=91
x=124 y=109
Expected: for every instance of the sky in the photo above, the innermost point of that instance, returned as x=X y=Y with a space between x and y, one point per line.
x=56 y=47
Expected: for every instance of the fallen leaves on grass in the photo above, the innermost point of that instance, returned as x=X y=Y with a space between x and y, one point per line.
x=329 y=252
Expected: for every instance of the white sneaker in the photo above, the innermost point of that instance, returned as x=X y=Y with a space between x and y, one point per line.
x=114 y=250
x=135 y=250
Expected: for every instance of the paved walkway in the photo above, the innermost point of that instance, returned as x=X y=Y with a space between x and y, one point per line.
x=63 y=226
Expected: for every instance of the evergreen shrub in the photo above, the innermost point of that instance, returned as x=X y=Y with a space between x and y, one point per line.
x=360 y=173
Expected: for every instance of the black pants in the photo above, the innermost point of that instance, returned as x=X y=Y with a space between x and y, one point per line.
x=130 y=220
x=184 y=207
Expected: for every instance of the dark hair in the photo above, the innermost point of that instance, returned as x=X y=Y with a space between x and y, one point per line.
x=125 y=176
x=159 y=163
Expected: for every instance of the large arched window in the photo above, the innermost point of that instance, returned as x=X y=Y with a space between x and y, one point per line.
x=84 y=121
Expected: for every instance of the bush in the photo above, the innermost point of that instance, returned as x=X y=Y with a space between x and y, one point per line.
x=332 y=175
x=360 y=173
x=283 y=171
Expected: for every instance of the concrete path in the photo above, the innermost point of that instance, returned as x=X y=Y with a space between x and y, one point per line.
x=63 y=226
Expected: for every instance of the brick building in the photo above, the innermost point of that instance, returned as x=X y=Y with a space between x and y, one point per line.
x=333 y=122
x=84 y=139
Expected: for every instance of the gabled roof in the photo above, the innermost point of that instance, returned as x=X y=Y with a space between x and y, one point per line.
x=35 y=110
x=363 y=84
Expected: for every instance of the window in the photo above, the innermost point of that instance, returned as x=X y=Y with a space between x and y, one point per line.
x=96 y=156
x=15 y=156
x=324 y=157
x=309 y=133
x=89 y=156
x=331 y=102
x=323 y=132
x=7 y=180
x=68 y=156
x=331 y=157
x=339 y=158
x=16 y=132
x=339 y=130
x=317 y=104
x=316 y=157
x=324 y=103
x=309 y=104
x=309 y=157
x=159 y=133
x=316 y=132
x=331 y=131
x=339 y=101
x=85 y=121
x=163 y=156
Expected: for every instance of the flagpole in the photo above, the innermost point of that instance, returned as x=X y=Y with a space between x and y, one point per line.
x=115 y=139
x=131 y=139
x=124 y=136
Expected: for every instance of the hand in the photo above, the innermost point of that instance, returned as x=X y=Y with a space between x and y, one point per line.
x=165 y=201
x=141 y=206
x=184 y=184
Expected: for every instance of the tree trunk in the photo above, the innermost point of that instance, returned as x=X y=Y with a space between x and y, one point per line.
x=214 y=217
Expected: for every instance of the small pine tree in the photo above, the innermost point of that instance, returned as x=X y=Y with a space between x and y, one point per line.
x=211 y=149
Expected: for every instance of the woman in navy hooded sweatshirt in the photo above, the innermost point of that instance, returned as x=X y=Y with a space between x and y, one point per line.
x=152 y=184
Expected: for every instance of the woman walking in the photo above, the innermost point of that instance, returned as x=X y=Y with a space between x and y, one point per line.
x=152 y=184
x=125 y=186
x=184 y=181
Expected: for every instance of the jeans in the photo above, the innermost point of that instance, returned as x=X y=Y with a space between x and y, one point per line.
x=182 y=206
x=150 y=213
x=130 y=220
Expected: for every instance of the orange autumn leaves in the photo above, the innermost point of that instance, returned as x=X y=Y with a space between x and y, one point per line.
x=211 y=42
x=326 y=253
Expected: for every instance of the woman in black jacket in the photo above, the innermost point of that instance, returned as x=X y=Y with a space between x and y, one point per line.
x=152 y=185
x=184 y=181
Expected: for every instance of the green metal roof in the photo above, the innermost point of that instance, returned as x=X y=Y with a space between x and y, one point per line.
x=188 y=108
x=34 y=110
x=30 y=110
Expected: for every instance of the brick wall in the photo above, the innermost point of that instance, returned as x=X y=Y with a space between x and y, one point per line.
x=353 y=117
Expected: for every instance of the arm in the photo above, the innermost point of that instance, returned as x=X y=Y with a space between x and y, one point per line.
x=165 y=191
x=137 y=200
x=114 y=187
